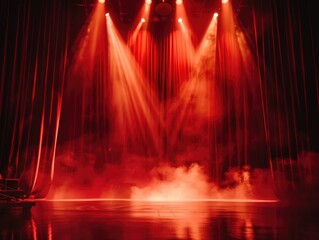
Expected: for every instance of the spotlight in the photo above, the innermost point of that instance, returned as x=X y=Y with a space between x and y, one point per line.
x=179 y=2
x=215 y=15
x=180 y=20
x=107 y=14
x=163 y=9
x=143 y=20
x=148 y=2
x=101 y=1
x=224 y=1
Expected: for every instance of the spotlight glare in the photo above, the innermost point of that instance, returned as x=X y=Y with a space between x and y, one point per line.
x=148 y=2
x=179 y=2
x=143 y=20
x=215 y=15
x=224 y=1
x=101 y=1
x=107 y=14
x=180 y=20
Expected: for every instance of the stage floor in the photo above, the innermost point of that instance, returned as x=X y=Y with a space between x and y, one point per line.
x=122 y=219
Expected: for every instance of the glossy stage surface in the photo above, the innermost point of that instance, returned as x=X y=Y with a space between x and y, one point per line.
x=121 y=219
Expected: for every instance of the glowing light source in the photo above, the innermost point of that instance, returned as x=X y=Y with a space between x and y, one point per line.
x=143 y=20
x=179 y=2
x=180 y=20
x=215 y=15
x=148 y=1
x=101 y=1
x=224 y=1
x=107 y=14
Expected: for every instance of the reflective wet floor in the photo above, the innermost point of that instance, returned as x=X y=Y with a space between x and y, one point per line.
x=110 y=219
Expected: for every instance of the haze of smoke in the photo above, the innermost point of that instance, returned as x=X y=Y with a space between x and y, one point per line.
x=137 y=177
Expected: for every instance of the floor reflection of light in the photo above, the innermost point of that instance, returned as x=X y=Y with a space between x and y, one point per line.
x=249 y=230
x=50 y=231
x=181 y=219
x=186 y=218
x=242 y=227
x=34 y=229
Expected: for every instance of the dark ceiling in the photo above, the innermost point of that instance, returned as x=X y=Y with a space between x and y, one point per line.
x=162 y=12
x=127 y=10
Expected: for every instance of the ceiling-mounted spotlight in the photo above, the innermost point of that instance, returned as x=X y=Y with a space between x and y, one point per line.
x=101 y=1
x=224 y=1
x=148 y=2
x=179 y=2
x=143 y=20
x=163 y=8
x=180 y=20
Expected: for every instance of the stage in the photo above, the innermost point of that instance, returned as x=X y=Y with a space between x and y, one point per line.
x=125 y=219
x=159 y=119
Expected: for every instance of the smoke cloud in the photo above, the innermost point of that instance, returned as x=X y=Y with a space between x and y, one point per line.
x=141 y=178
